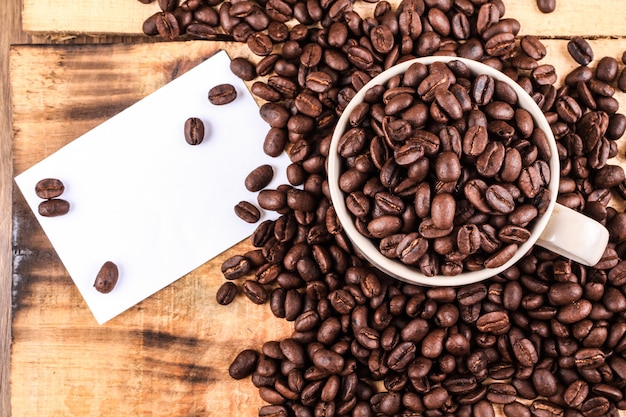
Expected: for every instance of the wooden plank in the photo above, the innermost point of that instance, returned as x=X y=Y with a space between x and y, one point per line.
x=572 y=17
x=169 y=354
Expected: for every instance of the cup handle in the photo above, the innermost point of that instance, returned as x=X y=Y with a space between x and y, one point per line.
x=574 y=235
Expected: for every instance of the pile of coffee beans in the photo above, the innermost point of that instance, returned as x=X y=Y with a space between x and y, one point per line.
x=546 y=337
x=444 y=202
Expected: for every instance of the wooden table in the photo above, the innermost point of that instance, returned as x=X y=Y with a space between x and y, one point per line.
x=169 y=354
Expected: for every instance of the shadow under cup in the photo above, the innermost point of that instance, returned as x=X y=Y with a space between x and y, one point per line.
x=561 y=233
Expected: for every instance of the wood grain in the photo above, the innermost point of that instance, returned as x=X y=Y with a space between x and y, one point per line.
x=11 y=33
x=168 y=355
x=572 y=17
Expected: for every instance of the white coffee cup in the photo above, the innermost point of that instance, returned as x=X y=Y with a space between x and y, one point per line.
x=560 y=229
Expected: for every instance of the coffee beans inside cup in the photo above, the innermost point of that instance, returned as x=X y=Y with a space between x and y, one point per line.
x=443 y=170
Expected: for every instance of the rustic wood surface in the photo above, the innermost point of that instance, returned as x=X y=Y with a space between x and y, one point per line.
x=169 y=354
x=572 y=17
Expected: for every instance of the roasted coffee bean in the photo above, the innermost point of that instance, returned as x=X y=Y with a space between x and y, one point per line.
x=255 y=292
x=275 y=115
x=167 y=26
x=576 y=393
x=546 y=6
x=496 y=322
x=580 y=50
x=516 y=409
x=194 y=131
x=243 y=68
x=222 y=94
x=53 y=207
x=244 y=364
x=544 y=408
x=247 y=212
x=226 y=293
x=49 y=188
x=595 y=407
x=259 y=178
x=235 y=267
x=501 y=393
x=107 y=278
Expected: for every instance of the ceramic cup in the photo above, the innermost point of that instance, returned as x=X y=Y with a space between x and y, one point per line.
x=560 y=229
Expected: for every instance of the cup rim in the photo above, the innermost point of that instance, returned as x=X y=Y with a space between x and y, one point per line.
x=365 y=246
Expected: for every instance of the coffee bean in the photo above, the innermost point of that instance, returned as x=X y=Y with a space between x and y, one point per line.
x=222 y=94
x=544 y=408
x=49 y=188
x=226 y=293
x=580 y=50
x=259 y=178
x=501 y=393
x=243 y=68
x=243 y=364
x=274 y=114
x=576 y=393
x=595 y=407
x=167 y=26
x=546 y=6
x=107 y=278
x=235 y=267
x=53 y=207
x=194 y=131
x=516 y=409
x=255 y=292
x=247 y=212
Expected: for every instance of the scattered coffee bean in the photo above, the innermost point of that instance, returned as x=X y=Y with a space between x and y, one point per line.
x=244 y=364
x=247 y=212
x=580 y=50
x=53 y=207
x=107 y=277
x=226 y=293
x=259 y=178
x=194 y=131
x=167 y=26
x=49 y=188
x=546 y=6
x=222 y=94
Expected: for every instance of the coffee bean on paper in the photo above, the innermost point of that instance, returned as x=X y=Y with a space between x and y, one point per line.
x=259 y=178
x=247 y=212
x=54 y=207
x=49 y=188
x=222 y=94
x=194 y=131
x=107 y=277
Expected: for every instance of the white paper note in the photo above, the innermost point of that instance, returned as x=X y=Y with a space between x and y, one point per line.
x=146 y=200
